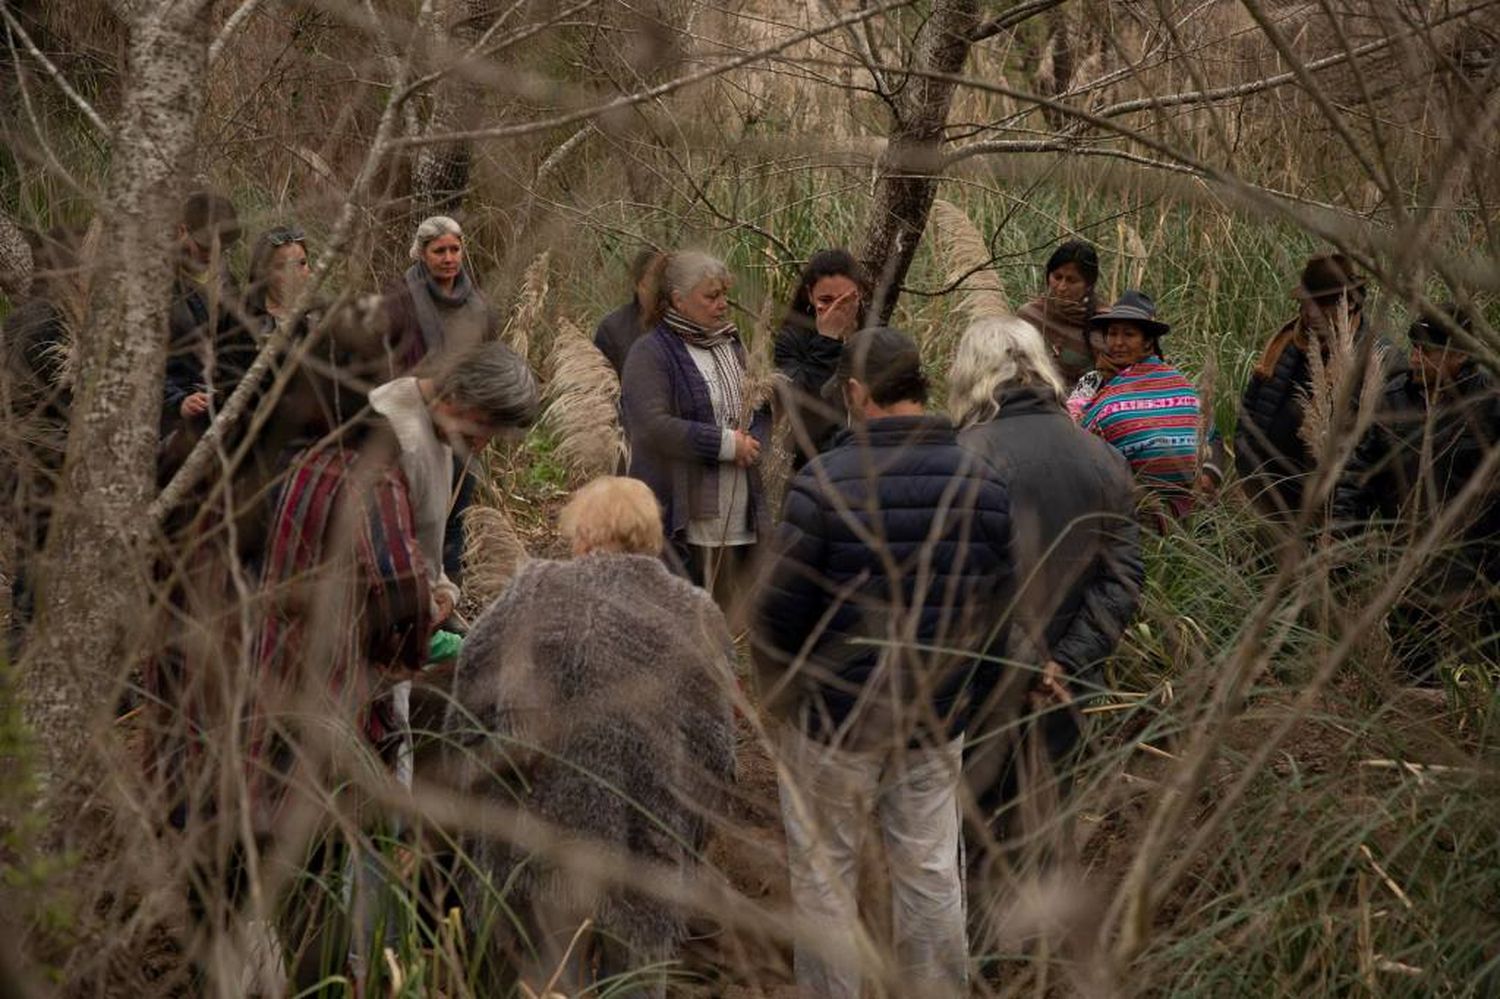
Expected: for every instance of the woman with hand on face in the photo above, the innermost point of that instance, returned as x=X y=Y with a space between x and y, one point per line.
x=829 y=306
x=694 y=438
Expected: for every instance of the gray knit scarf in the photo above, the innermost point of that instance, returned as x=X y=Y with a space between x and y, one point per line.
x=426 y=296
x=729 y=373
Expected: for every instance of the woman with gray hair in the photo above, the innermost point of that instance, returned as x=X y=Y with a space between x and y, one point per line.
x=435 y=308
x=1075 y=545
x=694 y=435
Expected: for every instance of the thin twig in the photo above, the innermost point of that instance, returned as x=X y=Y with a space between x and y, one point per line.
x=52 y=71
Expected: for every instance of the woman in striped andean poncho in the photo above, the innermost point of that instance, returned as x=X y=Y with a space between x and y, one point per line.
x=1148 y=410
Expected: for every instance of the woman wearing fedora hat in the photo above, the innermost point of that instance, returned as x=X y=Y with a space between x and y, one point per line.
x=1148 y=410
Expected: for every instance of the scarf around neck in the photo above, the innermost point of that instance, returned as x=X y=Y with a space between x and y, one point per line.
x=426 y=296
x=729 y=373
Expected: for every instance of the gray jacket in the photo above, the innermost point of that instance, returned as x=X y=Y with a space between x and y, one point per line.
x=593 y=697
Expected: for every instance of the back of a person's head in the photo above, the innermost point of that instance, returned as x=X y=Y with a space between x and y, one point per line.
x=613 y=514
x=888 y=363
x=994 y=353
x=208 y=214
x=495 y=380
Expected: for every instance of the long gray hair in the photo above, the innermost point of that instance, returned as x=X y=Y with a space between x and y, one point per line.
x=430 y=229
x=994 y=353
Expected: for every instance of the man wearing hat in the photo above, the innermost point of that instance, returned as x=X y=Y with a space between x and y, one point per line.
x=1272 y=458
x=1430 y=436
x=204 y=298
x=890 y=577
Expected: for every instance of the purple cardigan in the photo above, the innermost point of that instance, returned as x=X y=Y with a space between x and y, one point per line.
x=674 y=439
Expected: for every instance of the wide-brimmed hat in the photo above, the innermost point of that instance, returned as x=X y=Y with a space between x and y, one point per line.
x=877 y=356
x=1134 y=306
x=1328 y=276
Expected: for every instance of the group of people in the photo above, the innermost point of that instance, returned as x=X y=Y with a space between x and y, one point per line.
x=936 y=588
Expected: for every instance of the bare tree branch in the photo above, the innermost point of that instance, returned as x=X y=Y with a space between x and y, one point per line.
x=651 y=94
x=232 y=25
x=56 y=74
x=1018 y=14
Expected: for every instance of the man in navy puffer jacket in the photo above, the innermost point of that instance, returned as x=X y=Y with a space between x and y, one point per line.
x=891 y=578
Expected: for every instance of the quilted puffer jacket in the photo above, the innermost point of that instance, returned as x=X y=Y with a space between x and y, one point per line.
x=891 y=576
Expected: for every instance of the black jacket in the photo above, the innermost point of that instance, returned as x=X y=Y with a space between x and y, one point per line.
x=933 y=581
x=1415 y=460
x=808 y=359
x=207 y=348
x=1075 y=540
x=1269 y=452
x=37 y=400
x=618 y=332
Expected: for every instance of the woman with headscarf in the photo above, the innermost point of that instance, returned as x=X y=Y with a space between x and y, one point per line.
x=694 y=435
x=435 y=308
x=1061 y=313
x=832 y=295
x=1149 y=410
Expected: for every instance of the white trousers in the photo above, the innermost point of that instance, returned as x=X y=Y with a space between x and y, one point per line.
x=913 y=794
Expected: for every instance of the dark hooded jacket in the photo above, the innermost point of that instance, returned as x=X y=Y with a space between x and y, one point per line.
x=1414 y=461
x=872 y=620
x=618 y=332
x=808 y=359
x=1269 y=452
x=206 y=346
x=1076 y=543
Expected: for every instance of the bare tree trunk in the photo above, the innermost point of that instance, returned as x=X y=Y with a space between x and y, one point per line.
x=908 y=171
x=440 y=176
x=95 y=571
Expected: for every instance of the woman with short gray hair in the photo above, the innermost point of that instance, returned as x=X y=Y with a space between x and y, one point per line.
x=694 y=436
x=435 y=307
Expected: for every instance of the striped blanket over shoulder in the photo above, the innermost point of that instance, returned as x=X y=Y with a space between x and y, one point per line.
x=1149 y=412
x=346 y=600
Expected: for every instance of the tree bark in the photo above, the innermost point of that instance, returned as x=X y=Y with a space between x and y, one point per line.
x=440 y=178
x=95 y=570
x=908 y=172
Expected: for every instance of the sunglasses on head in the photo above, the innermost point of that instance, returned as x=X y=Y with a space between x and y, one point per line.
x=285 y=235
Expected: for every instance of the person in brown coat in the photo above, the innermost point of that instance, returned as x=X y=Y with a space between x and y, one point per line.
x=1061 y=313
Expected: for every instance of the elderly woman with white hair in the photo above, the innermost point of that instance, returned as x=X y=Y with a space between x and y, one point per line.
x=1074 y=533
x=436 y=309
x=695 y=436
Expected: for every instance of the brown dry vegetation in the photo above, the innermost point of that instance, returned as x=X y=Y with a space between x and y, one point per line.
x=1263 y=811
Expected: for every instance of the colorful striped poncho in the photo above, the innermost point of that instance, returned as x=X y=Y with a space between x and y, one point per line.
x=1149 y=413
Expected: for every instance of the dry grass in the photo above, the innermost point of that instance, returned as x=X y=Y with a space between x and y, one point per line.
x=582 y=406
x=967 y=260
